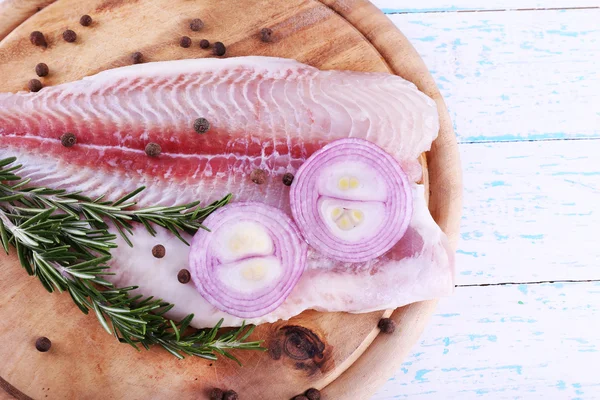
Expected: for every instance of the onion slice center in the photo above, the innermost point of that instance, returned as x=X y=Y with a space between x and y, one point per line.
x=351 y=200
x=250 y=261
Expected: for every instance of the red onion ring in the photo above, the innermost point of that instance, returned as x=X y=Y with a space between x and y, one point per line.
x=209 y=258
x=390 y=188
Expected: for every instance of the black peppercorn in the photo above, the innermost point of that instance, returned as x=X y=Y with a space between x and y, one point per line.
x=196 y=24
x=219 y=49
x=68 y=139
x=41 y=69
x=158 y=251
x=34 y=85
x=43 y=344
x=266 y=35
x=204 y=44
x=313 y=394
x=230 y=395
x=258 y=176
x=185 y=42
x=215 y=394
x=386 y=325
x=201 y=125
x=69 y=36
x=37 y=38
x=85 y=20
x=153 y=149
x=137 y=58
x=184 y=276
x=300 y=397
x=288 y=179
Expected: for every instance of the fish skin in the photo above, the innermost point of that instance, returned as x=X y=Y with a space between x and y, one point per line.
x=266 y=113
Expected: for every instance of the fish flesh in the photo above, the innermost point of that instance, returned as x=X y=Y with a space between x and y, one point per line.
x=266 y=113
x=420 y=267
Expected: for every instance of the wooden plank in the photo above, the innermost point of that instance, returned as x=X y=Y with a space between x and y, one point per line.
x=506 y=342
x=301 y=26
x=513 y=75
x=523 y=203
x=398 y=6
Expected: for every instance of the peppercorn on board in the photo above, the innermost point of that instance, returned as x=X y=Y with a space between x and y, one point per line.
x=300 y=29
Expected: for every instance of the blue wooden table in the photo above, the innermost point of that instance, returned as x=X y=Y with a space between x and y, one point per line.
x=522 y=82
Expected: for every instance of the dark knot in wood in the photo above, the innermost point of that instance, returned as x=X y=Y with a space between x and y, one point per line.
x=301 y=344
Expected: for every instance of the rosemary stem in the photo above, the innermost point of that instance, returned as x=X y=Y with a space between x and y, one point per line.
x=64 y=240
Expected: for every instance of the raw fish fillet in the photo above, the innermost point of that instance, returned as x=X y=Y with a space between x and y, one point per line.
x=267 y=113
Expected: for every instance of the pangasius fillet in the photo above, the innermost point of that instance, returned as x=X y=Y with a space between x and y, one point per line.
x=264 y=113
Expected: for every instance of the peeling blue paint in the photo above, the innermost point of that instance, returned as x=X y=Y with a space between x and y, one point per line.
x=562 y=33
x=419 y=22
x=533 y=237
x=500 y=236
x=593 y=173
x=420 y=375
x=468 y=253
x=523 y=289
x=426 y=39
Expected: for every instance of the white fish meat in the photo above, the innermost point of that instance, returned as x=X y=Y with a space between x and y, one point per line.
x=266 y=113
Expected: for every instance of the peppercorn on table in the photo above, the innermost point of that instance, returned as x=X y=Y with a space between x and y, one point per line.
x=521 y=81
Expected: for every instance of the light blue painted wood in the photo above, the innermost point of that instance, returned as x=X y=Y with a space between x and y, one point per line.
x=506 y=342
x=530 y=208
x=531 y=212
x=513 y=75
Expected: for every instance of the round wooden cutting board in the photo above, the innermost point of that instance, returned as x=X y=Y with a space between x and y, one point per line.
x=343 y=354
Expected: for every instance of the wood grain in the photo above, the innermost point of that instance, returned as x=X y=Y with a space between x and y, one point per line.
x=301 y=27
x=514 y=75
x=506 y=342
x=14 y=12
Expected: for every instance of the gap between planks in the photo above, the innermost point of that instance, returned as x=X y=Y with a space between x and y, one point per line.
x=390 y=12
x=530 y=140
x=529 y=283
x=445 y=6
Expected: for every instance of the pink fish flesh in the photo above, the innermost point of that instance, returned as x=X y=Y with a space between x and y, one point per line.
x=266 y=113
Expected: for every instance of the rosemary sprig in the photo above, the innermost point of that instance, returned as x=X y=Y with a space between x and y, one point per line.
x=64 y=239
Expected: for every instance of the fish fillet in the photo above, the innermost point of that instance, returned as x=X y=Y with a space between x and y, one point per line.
x=266 y=113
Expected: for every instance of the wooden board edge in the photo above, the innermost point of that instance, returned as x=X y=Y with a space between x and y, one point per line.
x=374 y=367
x=11 y=392
x=14 y=12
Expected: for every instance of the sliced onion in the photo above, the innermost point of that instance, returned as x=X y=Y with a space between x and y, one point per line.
x=351 y=200
x=250 y=261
